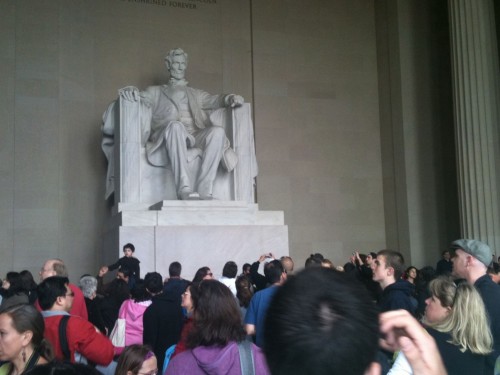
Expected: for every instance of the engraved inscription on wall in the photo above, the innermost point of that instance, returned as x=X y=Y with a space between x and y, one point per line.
x=185 y=4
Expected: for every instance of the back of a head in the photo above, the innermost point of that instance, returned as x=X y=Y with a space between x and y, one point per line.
x=174 y=270
x=427 y=273
x=273 y=271
x=217 y=318
x=88 y=285
x=49 y=289
x=243 y=290
x=132 y=358
x=230 y=270
x=327 y=263
x=60 y=268
x=28 y=280
x=153 y=282
x=314 y=260
x=139 y=293
x=395 y=260
x=200 y=274
x=288 y=264
x=16 y=283
x=321 y=322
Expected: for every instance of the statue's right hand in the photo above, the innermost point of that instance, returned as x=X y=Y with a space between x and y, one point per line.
x=130 y=93
x=190 y=141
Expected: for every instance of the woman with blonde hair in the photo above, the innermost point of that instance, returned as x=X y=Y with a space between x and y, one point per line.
x=455 y=316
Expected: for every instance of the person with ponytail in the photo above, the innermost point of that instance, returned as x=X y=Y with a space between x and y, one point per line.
x=22 y=344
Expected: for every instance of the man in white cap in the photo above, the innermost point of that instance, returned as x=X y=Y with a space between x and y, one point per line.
x=471 y=261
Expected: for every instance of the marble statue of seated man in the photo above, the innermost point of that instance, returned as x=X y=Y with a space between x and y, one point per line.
x=179 y=122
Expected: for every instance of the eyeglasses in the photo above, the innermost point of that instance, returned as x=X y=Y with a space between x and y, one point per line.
x=154 y=372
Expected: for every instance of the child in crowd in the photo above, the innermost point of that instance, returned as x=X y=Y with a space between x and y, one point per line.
x=127 y=261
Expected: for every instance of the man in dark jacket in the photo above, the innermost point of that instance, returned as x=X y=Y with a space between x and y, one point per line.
x=396 y=293
x=175 y=283
x=163 y=319
x=444 y=266
x=471 y=260
x=387 y=270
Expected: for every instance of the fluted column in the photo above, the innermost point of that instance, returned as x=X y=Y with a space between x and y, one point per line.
x=476 y=103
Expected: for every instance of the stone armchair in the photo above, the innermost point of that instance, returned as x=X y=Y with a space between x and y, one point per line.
x=132 y=180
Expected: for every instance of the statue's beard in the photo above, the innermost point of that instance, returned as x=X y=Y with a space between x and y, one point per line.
x=177 y=82
x=177 y=75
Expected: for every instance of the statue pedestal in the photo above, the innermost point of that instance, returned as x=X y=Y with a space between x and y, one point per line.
x=196 y=234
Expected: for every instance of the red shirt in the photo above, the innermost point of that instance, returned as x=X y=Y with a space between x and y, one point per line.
x=79 y=308
x=82 y=338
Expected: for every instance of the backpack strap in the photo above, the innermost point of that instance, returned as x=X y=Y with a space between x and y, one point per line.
x=246 y=358
x=63 y=338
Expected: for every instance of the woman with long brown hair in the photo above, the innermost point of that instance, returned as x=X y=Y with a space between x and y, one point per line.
x=217 y=337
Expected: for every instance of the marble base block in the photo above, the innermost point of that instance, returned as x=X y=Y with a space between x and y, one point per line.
x=197 y=234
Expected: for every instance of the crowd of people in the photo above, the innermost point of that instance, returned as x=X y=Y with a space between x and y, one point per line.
x=372 y=315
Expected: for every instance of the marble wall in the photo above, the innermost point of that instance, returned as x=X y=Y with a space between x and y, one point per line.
x=416 y=125
x=309 y=68
x=317 y=119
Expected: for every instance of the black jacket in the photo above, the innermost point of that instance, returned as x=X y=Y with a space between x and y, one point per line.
x=128 y=262
x=490 y=293
x=398 y=296
x=163 y=321
x=456 y=361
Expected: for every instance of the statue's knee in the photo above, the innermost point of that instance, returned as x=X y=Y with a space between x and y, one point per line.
x=217 y=132
x=175 y=126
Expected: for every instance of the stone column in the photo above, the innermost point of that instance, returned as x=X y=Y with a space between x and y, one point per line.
x=476 y=103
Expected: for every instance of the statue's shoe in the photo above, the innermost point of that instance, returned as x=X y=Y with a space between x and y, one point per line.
x=208 y=197
x=188 y=195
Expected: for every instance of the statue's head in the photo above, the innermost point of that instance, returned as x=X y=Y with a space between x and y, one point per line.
x=176 y=62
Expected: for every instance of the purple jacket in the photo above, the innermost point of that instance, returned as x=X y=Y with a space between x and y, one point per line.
x=215 y=360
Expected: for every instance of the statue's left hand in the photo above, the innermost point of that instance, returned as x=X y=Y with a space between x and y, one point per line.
x=130 y=93
x=234 y=100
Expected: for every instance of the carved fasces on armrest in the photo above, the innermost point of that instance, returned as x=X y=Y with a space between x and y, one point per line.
x=134 y=121
x=239 y=129
x=108 y=144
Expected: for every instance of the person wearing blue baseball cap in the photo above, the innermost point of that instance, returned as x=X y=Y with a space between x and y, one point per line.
x=471 y=261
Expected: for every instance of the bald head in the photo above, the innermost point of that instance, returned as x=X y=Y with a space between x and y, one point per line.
x=287 y=263
x=53 y=267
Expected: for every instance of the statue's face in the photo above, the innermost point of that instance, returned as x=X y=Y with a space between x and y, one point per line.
x=178 y=67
